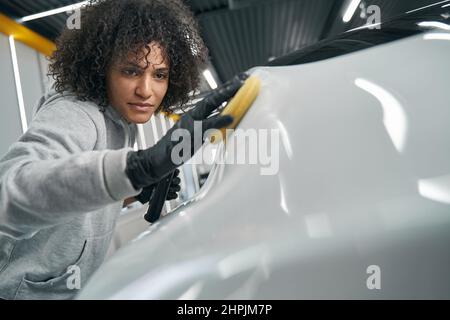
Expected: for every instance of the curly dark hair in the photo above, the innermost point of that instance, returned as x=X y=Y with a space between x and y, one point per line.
x=111 y=30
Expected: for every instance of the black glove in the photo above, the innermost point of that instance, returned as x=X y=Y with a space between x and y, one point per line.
x=149 y=166
x=146 y=193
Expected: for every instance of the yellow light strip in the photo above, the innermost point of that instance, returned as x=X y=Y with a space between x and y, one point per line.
x=25 y=35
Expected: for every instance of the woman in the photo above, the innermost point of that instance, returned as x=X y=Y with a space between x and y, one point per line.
x=63 y=183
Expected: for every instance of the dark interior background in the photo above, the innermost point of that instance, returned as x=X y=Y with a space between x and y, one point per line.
x=241 y=34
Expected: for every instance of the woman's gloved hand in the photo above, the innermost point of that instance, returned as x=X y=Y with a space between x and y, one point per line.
x=174 y=188
x=145 y=167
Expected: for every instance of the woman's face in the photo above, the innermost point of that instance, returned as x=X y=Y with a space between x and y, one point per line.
x=136 y=89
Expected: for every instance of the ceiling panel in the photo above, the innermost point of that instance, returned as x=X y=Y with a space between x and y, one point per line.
x=241 y=34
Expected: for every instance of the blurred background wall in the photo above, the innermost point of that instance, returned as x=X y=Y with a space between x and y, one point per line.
x=30 y=71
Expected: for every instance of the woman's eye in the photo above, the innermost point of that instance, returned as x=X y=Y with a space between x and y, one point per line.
x=161 y=76
x=130 y=72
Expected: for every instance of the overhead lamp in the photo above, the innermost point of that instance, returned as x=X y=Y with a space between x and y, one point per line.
x=15 y=64
x=52 y=12
x=210 y=79
x=434 y=24
x=351 y=10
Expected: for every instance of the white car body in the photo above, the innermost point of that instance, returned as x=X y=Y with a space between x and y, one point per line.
x=360 y=205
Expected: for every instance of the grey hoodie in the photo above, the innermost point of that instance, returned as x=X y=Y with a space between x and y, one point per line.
x=62 y=185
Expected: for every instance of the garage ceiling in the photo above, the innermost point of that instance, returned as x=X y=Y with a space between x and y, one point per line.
x=241 y=34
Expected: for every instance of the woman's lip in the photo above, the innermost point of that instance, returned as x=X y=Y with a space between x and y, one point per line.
x=146 y=105
x=141 y=107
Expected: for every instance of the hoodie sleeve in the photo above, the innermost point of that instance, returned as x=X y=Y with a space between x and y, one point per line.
x=52 y=173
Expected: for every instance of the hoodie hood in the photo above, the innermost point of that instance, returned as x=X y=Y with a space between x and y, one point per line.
x=52 y=96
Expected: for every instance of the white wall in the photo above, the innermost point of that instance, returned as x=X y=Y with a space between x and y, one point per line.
x=30 y=76
x=32 y=72
x=10 y=125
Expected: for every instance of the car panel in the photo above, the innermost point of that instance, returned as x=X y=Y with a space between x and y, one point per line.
x=363 y=180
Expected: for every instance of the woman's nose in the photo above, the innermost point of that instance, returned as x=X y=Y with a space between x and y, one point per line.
x=144 y=88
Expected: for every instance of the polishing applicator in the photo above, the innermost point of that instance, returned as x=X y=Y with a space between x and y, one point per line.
x=239 y=105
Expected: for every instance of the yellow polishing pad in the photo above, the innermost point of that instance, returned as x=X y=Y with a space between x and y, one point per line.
x=239 y=105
